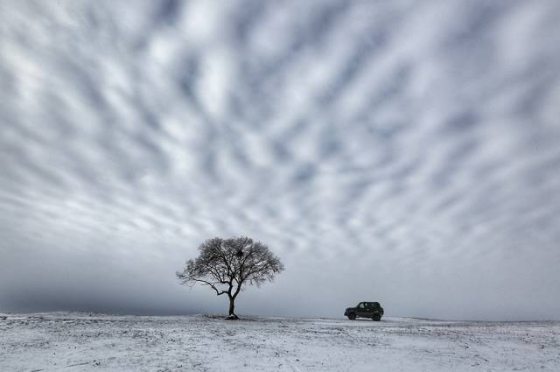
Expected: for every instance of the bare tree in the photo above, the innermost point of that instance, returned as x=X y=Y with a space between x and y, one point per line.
x=227 y=265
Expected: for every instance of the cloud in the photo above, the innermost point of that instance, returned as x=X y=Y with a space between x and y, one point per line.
x=397 y=152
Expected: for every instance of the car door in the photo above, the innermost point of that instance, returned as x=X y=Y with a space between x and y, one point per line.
x=368 y=309
x=361 y=310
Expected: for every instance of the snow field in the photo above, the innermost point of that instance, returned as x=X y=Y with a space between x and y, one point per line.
x=92 y=342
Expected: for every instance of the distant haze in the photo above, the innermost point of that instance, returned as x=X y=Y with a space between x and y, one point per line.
x=406 y=152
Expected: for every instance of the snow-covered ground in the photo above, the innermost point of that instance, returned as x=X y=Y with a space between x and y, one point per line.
x=91 y=342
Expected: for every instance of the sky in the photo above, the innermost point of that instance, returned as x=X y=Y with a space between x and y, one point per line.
x=403 y=152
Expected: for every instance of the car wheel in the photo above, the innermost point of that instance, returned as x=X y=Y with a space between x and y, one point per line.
x=376 y=318
x=352 y=316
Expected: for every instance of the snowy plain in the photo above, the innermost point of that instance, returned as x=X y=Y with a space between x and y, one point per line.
x=93 y=342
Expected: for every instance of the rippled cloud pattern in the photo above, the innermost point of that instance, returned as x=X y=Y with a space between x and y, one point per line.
x=403 y=152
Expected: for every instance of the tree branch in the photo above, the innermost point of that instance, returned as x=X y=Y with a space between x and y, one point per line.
x=218 y=293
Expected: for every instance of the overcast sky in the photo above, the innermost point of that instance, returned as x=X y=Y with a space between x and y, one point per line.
x=403 y=152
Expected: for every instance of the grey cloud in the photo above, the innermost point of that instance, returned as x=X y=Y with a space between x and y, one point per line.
x=399 y=152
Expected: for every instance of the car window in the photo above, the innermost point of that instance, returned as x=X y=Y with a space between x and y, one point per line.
x=361 y=305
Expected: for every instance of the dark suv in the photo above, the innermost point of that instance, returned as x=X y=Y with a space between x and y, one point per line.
x=370 y=310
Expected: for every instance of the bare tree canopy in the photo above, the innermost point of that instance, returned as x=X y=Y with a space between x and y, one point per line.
x=227 y=265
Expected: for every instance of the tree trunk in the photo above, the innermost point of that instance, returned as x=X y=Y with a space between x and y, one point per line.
x=231 y=313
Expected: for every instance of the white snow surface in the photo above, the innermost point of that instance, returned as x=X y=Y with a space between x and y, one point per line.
x=93 y=342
